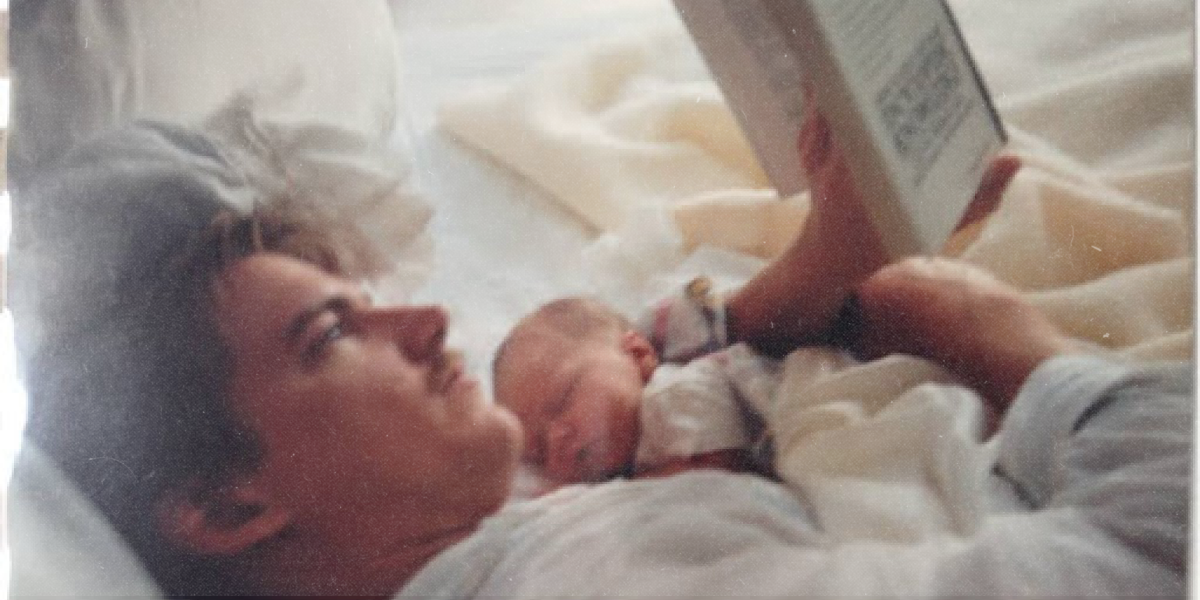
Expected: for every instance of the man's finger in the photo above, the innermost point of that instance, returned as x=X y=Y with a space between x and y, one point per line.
x=991 y=189
x=816 y=142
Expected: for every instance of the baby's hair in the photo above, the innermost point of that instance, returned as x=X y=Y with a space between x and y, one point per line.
x=577 y=318
x=572 y=318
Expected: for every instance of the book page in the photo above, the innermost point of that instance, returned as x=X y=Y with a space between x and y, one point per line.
x=922 y=101
x=893 y=77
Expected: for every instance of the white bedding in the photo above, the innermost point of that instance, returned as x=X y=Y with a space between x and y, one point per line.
x=625 y=134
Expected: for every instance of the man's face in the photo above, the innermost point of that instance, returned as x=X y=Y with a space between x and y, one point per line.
x=361 y=410
x=578 y=401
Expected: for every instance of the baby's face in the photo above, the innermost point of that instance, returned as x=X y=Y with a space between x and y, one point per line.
x=578 y=402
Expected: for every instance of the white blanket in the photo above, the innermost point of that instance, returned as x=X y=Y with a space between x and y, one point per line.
x=888 y=450
x=1096 y=228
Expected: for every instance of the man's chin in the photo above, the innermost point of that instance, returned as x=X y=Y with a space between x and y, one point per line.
x=495 y=469
x=514 y=437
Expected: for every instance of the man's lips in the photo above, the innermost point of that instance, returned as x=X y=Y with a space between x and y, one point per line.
x=448 y=371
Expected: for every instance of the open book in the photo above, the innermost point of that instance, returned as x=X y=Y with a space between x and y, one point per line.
x=893 y=78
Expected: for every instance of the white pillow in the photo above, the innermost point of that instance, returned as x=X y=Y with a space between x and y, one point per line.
x=84 y=67
x=60 y=544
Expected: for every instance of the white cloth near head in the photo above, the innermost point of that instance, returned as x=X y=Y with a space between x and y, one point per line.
x=87 y=67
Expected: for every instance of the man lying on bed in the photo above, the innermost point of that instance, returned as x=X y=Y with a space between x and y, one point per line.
x=305 y=441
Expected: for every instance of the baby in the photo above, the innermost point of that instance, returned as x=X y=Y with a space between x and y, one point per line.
x=596 y=403
x=597 y=400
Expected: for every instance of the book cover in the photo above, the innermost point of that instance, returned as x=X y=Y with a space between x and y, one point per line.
x=893 y=77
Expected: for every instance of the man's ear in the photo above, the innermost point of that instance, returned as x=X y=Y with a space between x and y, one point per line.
x=220 y=520
x=642 y=351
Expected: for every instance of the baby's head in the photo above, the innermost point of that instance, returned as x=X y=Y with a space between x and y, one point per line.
x=573 y=372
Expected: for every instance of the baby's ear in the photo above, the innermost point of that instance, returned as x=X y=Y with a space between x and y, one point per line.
x=642 y=351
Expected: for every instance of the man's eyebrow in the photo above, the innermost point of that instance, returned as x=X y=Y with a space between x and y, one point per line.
x=338 y=303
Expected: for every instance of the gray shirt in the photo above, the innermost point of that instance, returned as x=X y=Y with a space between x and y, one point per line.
x=1099 y=453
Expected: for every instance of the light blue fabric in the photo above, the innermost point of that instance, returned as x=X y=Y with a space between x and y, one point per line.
x=1110 y=518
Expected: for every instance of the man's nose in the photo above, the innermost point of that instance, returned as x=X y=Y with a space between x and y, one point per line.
x=420 y=331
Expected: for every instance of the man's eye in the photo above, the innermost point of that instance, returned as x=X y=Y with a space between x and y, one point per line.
x=322 y=341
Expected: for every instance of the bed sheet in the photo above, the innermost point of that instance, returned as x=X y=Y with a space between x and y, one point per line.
x=571 y=185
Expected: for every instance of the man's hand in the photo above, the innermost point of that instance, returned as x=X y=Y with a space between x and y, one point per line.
x=960 y=317
x=795 y=299
x=839 y=217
